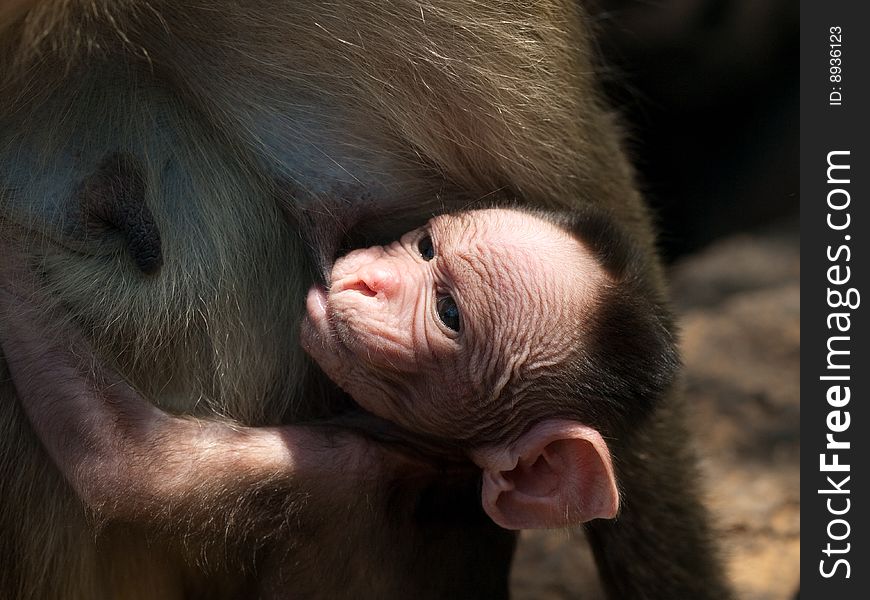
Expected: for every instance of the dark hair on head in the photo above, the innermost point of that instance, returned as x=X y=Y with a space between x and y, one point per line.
x=625 y=356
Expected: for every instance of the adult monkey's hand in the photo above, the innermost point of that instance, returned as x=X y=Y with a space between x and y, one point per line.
x=130 y=461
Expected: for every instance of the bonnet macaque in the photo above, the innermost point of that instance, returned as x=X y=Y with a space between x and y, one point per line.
x=474 y=331
x=152 y=290
x=477 y=327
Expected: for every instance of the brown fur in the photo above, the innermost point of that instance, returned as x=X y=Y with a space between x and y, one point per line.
x=422 y=105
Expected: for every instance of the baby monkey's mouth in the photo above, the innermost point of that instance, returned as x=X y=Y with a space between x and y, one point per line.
x=318 y=331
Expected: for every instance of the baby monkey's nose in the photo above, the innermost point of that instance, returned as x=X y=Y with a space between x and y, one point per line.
x=378 y=278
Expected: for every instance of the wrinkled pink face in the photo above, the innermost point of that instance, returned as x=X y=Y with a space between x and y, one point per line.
x=429 y=330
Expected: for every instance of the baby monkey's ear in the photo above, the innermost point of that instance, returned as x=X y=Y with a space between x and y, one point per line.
x=557 y=474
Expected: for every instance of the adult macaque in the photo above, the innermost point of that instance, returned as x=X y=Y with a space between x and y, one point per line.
x=149 y=154
x=492 y=331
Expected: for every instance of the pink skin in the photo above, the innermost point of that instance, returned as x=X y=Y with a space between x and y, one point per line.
x=377 y=333
x=129 y=461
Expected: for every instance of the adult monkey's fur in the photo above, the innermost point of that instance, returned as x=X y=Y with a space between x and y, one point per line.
x=231 y=110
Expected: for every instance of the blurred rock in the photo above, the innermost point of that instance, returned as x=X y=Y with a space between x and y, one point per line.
x=739 y=302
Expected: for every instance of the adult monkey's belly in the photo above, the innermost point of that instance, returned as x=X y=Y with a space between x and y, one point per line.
x=227 y=114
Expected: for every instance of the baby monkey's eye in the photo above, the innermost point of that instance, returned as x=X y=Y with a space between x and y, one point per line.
x=448 y=312
x=425 y=247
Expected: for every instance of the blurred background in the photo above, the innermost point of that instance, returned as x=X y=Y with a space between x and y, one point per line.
x=708 y=90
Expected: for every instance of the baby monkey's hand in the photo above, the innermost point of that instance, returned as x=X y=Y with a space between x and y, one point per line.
x=130 y=461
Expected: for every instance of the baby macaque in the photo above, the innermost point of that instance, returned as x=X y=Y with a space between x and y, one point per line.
x=522 y=338
x=476 y=327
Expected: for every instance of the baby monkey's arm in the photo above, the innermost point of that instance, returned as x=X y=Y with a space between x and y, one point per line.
x=129 y=461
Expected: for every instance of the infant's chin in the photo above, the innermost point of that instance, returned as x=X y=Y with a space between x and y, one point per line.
x=340 y=268
x=314 y=331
